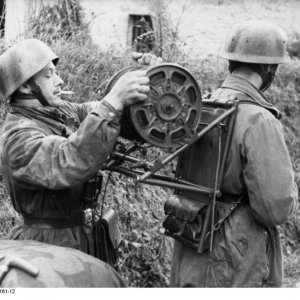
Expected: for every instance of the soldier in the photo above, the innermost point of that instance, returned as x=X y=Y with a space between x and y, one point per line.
x=246 y=249
x=50 y=147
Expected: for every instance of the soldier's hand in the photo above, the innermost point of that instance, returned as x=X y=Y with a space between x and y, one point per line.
x=129 y=88
x=146 y=59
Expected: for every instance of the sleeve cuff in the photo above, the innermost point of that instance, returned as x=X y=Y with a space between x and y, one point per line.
x=118 y=113
x=106 y=111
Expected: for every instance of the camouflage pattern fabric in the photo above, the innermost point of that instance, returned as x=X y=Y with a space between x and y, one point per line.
x=46 y=154
x=246 y=250
x=58 y=267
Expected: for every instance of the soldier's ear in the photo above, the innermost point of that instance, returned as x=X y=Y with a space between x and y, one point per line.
x=25 y=88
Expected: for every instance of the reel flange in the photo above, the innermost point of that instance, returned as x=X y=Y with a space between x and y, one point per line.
x=170 y=114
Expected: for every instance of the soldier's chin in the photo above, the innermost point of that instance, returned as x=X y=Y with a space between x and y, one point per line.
x=58 y=98
x=57 y=95
x=56 y=101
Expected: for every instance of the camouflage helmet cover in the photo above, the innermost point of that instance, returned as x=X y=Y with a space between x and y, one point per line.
x=258 y=42
x=22 y=61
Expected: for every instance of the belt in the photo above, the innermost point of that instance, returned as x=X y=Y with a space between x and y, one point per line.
x=60 y=222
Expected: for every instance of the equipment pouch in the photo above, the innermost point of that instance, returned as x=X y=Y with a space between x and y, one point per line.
x=185 y=219
x=107 y=237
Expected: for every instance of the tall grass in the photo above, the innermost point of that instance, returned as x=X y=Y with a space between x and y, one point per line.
x=145 y=253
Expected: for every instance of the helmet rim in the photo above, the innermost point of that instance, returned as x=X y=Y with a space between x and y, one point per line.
x=259 y=42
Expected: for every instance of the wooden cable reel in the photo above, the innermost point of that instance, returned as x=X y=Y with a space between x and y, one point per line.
x=169 y=117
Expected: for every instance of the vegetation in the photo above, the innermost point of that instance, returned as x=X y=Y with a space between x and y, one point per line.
x=145 y=253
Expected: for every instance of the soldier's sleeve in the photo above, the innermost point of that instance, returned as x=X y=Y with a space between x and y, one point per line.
x=268 y=173
x=57 y=162
x=82 y=109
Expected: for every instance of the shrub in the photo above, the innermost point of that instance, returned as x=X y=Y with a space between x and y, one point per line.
x=293 y=46
x=65 y=21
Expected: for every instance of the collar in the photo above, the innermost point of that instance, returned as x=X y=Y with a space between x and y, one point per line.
x=242 y=85
x=52 y=117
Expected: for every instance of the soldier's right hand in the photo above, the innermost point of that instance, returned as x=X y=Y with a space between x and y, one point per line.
x=129 y=88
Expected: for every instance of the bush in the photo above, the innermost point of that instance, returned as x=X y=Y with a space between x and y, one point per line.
x=65 y=21
x=293 y=46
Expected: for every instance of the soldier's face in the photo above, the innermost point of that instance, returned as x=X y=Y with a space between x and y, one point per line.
x=50 y=84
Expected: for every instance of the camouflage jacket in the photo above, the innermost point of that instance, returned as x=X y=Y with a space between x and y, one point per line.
x=246 y=251
x=46 y=154
x=43 y=265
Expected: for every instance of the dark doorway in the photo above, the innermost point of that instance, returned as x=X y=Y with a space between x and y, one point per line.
x=142 y=34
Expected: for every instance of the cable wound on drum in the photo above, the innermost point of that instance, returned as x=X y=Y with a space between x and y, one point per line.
x=171 y=113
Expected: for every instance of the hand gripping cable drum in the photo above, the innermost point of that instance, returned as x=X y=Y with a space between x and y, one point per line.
x=171 y=113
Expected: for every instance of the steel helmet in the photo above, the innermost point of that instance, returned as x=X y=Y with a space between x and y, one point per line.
x=22 y=61
x=258 y=42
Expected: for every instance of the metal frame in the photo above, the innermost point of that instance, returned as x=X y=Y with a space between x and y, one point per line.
x=149 y=176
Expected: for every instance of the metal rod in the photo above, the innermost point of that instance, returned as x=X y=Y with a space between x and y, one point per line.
x=161 y=180
x=209 y=127
x=209 y=217
x=133 y=159
x=215 y=190
x=127 y=157
x=204 y=229
x=227 y=145
x=113 y=162
x=179 y=186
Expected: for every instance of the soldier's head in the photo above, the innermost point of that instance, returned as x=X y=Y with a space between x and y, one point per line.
x=260 y=45
x=28 y=72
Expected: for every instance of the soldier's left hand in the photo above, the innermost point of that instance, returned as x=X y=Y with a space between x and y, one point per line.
x=147 y=59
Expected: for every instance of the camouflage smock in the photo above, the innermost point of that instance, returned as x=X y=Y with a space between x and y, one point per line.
x=46 y=154
x=57 y=267
x=247 y=250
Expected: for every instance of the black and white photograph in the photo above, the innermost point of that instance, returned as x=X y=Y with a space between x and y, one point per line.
x=149 y=144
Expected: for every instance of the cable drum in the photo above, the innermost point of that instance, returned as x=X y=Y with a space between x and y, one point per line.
x=170 y=114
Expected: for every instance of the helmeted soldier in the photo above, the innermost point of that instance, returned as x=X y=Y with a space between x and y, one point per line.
x=258 y=188
x=51 y=147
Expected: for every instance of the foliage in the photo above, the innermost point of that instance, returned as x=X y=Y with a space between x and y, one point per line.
x=293 y=46
x=145 y=253
x=166 y=42
x=65 y=21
